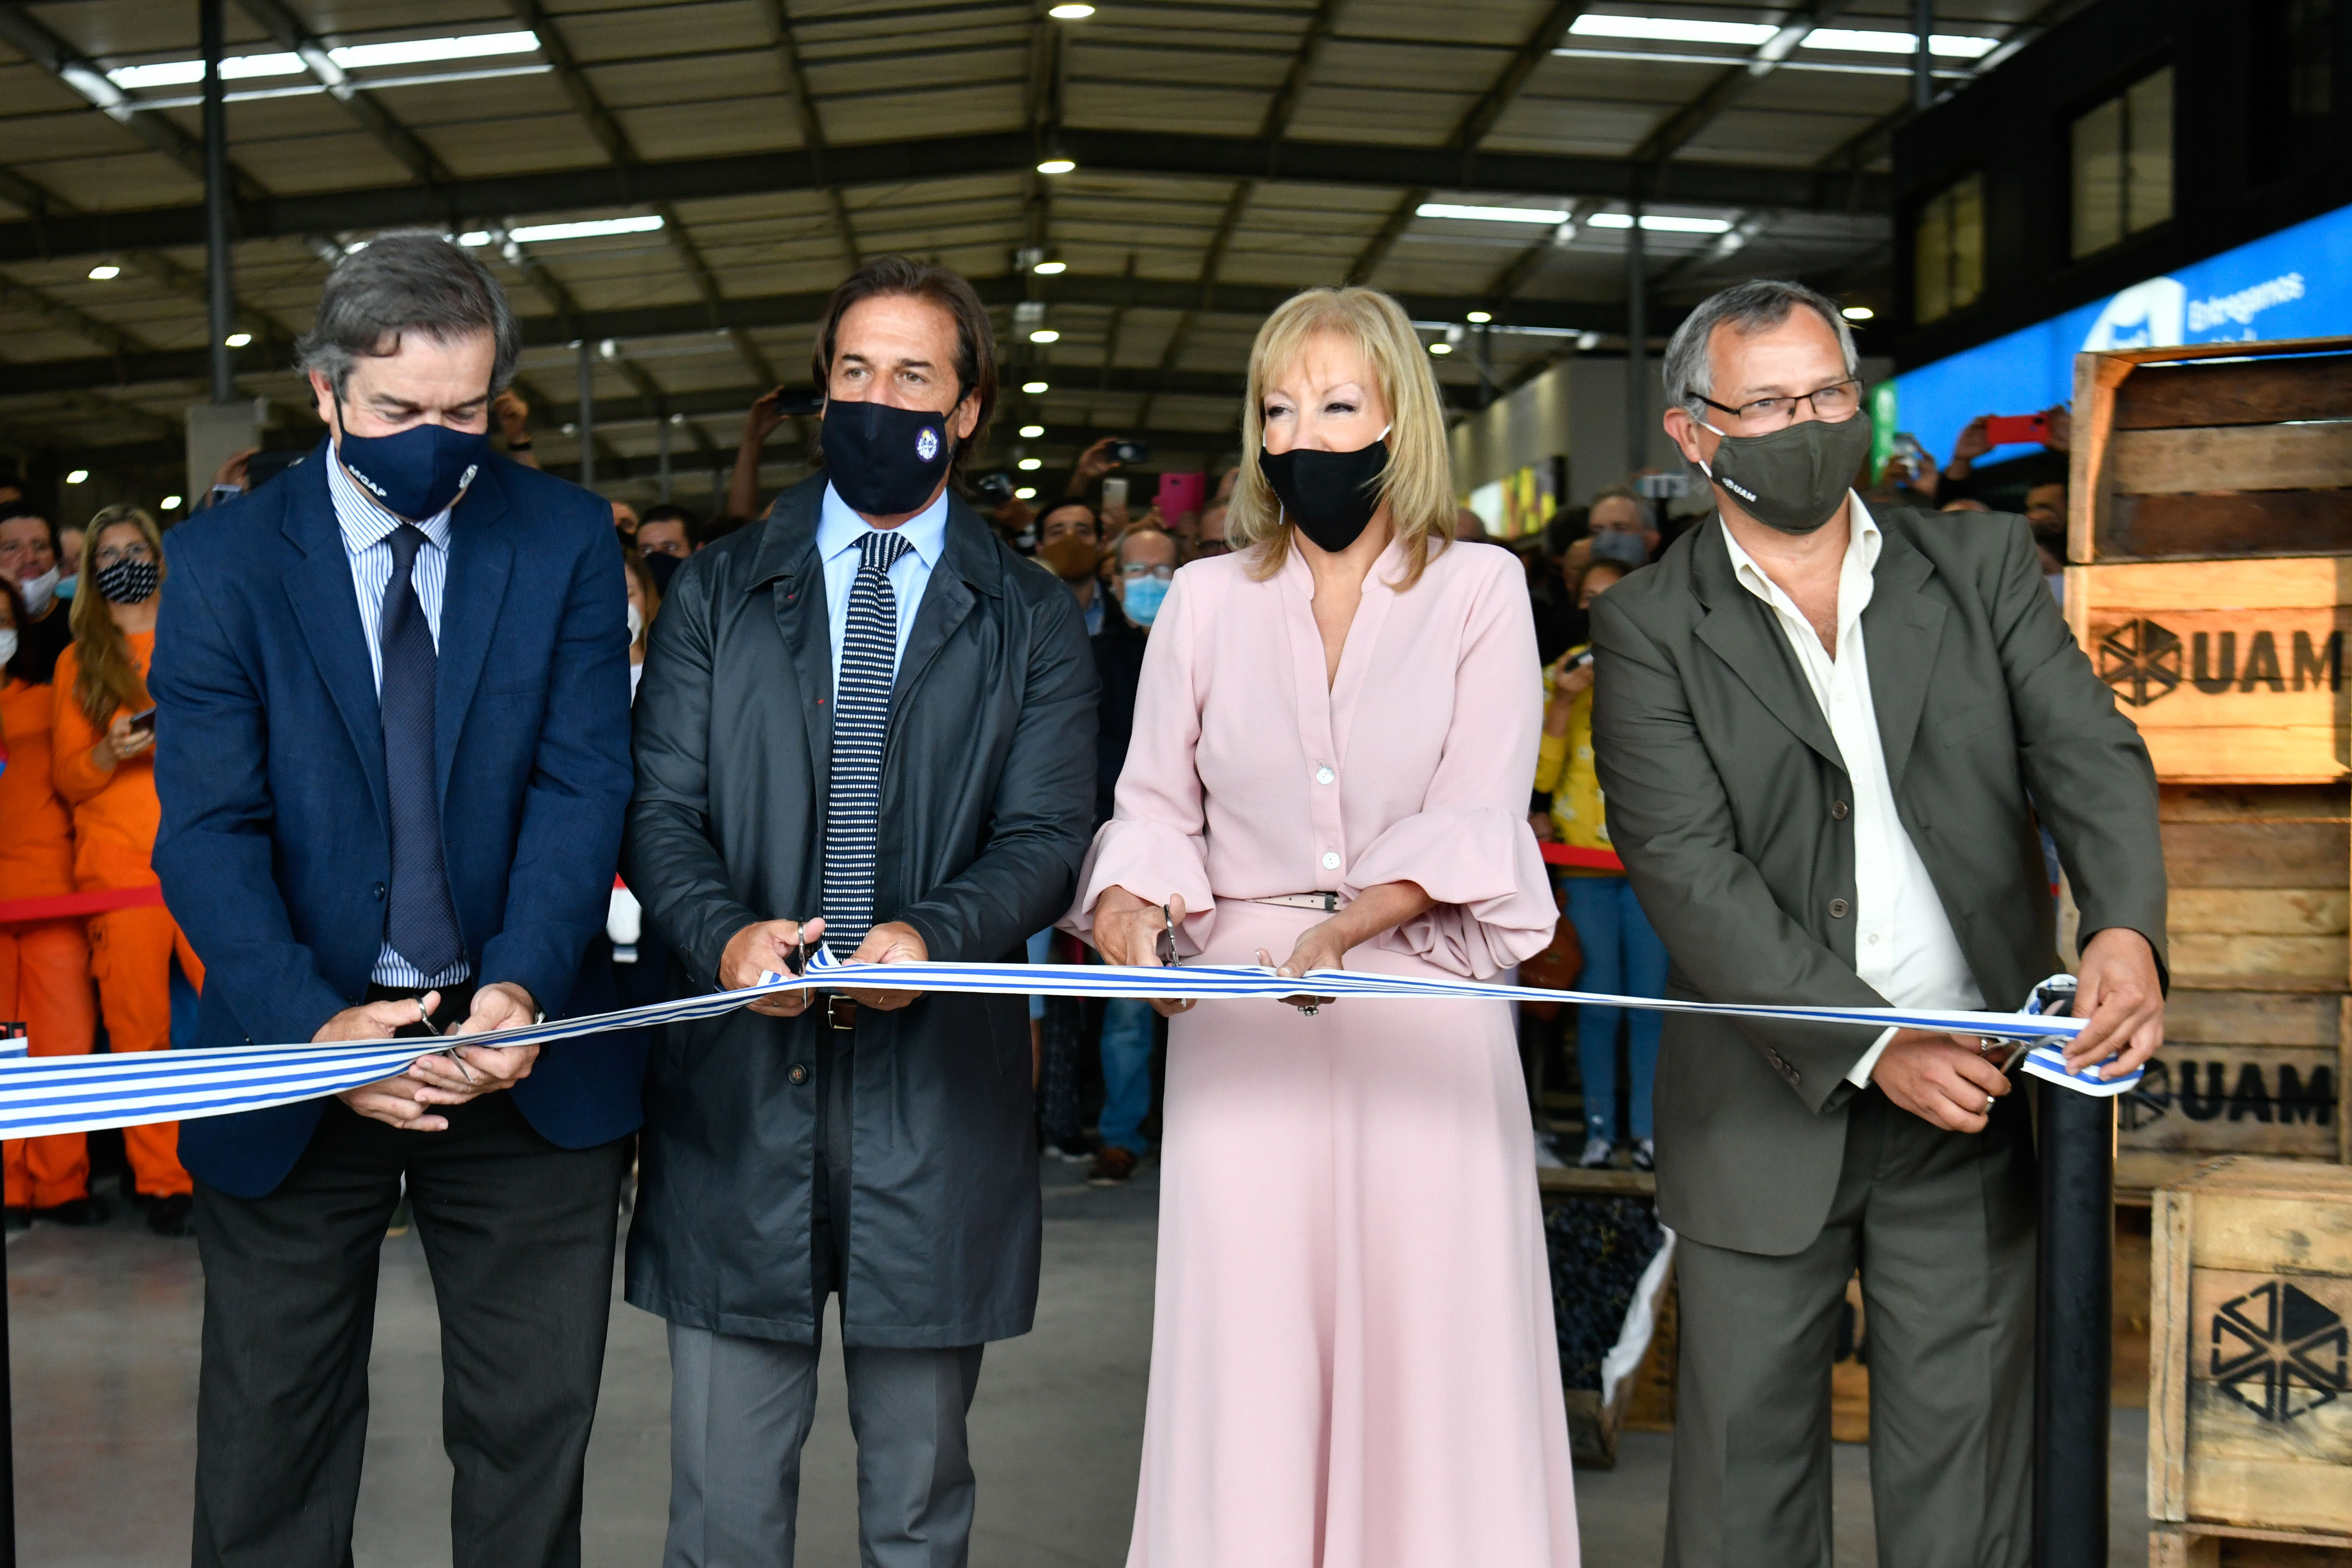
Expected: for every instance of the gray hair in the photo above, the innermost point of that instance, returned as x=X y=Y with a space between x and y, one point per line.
x=412 y=281
x=1755 y=306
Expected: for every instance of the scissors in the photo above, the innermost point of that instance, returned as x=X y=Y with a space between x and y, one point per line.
x=1164 y=945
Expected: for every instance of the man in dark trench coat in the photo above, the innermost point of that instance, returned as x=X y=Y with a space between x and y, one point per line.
x=868 y=709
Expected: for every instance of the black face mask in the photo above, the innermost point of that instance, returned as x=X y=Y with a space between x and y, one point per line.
x=884 y=461
x=1795 y=478
x=128 y=580
x=1330 y=495
x=662 y=568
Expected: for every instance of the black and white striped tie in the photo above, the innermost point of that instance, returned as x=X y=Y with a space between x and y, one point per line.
x=861 y=721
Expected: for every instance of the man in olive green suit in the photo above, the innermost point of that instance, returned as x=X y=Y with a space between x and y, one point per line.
x=1818 y=731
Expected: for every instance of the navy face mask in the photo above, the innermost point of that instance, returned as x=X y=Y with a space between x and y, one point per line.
x=417 y=473
x=884 y=461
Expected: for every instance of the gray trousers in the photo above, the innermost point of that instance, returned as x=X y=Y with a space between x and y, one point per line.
x=1941 y=1225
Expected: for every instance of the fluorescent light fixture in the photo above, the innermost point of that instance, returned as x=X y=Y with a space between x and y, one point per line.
x=1674 y=30
x=1858 y=41
x=171 y=503
x=180 y=73
x=237 y=339
x=1045 y=335
x=105 y=272
x=591 y=228
x=355 y=57
x=1058 y=166
x=1031 y=432
x=1031 y=465
x=1661 y=222
x=1480 y=316
x=1071 y=13
x=1858 y=312
x=1050 y=268
x=1491 y=215
x=1027 y=492
x=79 y=476
x=1034 y=387
x=1440 y=348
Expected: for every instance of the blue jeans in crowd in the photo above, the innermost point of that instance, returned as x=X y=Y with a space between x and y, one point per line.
x=1127 y=1073
x=1625 y=957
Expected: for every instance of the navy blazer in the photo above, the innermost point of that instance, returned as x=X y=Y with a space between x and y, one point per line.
x=276 y=845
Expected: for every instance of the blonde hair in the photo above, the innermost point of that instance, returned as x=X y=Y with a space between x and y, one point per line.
x=108 y=678
x=1417 y=486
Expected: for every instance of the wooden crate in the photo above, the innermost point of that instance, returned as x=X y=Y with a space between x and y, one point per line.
x=2250 y=1418
x=1644 y=1401
x=2201 y=1546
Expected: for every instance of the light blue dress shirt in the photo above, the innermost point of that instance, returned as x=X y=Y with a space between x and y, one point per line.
x=838 y=530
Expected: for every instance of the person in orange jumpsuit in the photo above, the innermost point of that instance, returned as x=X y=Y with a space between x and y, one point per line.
x=104 y=767
x=44 y=964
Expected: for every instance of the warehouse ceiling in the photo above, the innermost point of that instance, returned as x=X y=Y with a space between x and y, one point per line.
x=671 y=189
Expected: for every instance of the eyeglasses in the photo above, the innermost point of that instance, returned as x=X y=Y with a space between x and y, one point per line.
x=1135 y=571
x=1832 y=404
x=115 y=554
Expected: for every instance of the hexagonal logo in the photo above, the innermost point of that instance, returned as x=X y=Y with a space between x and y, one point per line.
x=2278 y=1352
x=2141 y=660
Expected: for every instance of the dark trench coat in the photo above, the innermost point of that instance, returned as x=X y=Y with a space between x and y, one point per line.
x=987 y=803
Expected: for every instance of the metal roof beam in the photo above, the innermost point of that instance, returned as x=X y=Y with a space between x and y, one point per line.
x=902 y=162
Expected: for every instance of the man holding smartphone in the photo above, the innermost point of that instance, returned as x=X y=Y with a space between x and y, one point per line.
x=394 y=703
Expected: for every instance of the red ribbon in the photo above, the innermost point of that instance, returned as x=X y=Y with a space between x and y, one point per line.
x=1587 y=859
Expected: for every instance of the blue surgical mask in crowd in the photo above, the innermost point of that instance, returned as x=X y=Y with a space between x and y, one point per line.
x=1142 y=598
x=884 y=461
x=417 y=473
x=65 y=586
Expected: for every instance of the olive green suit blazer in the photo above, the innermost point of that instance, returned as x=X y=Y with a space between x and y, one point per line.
x=1728 y=801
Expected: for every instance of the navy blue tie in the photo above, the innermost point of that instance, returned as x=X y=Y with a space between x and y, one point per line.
x=421 y=923
x=861 y=722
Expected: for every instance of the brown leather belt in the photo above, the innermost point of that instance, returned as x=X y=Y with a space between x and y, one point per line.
x=1327 y=902
x=840 y=1011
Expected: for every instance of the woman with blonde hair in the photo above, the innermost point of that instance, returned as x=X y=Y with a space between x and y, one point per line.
x=104 y=766
x=1353 y=1359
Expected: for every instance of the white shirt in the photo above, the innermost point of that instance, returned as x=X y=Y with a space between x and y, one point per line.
x=366 y=527
x=838 y=530
x=1903 y=943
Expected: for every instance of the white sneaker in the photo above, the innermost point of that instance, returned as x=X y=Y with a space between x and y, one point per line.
x=1645 y=1154
x=1548 y=1158
x=1597 y=1152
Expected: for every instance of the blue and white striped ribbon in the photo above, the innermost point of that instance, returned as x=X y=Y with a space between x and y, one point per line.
x=41 y=1095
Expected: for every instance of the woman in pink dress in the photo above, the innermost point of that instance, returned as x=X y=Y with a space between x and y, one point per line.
x=1353 y=1362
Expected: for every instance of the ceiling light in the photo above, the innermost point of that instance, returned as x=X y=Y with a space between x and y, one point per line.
x=1031 y=465
x=237 y=339
x=1858 y=312
x=105 y=270
x=1050 y=268
x=78 y=476
x=1034 y=387
x=1027 y=492
x=1031 y=432
x=171 y=503
x=1045 y=335
x=593 y=228
x=179 y=73
x=1440 y=348
x=1858 y=41
x=1674 y=30
x=1480 y=317
x=1588 y=342
x=357 y=56
x=1661 y=222
x=1071 y=13
x=1057 y=165
x=1491 y=215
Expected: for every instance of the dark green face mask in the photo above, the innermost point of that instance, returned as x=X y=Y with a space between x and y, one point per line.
x=1795 y=478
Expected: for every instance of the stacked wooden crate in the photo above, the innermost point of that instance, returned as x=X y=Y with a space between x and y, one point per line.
x=2210 y=541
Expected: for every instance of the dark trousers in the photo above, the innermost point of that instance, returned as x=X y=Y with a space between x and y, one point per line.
x=518 y=1235
x=1941 y=1226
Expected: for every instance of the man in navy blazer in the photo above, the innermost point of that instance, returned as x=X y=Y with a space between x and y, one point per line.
x=391 y=748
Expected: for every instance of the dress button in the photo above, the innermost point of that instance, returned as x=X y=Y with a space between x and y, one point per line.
x=1840 y=811
x=799 y=1075
x=1324 y=775
x=1838 y=907
x=1330 y=860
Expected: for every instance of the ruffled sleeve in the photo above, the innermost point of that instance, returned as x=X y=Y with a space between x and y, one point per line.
x=1469 y=847
x=1156 y=844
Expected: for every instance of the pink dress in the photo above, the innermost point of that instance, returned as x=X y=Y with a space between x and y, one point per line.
x=1353 y=1362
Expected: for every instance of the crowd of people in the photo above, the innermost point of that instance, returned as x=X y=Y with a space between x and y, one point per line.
x=360 y=752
